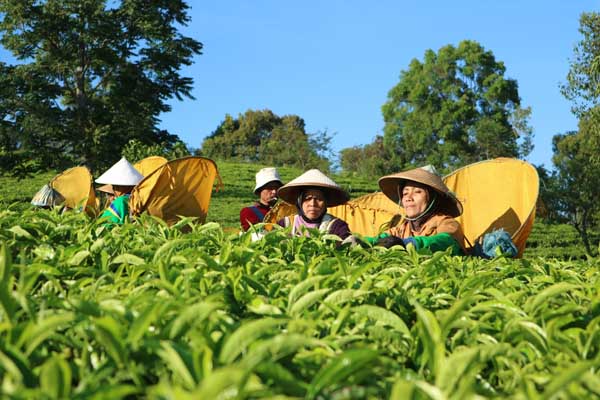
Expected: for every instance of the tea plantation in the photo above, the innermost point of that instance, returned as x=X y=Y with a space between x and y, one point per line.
x=202 y=312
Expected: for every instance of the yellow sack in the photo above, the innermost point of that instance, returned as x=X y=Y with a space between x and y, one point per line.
x=149 y=164
x=367 y=214
x=498 y=193
x=76 y=186
x=181 y=187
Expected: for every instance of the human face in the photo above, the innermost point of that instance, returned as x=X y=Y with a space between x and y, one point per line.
x=415 y=199
x=119 y=190
x=268 y=194
x=313 y=203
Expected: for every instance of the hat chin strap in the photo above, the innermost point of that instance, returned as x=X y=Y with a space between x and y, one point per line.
x=301 y=211
x=429 y=207
x=423 y=213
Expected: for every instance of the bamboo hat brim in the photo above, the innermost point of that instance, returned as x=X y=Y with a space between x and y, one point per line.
x=106 y=189
x=47 y=197
x=334 y=194
x=391 y=186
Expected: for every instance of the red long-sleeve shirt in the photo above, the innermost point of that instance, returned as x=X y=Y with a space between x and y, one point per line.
x=248 y=215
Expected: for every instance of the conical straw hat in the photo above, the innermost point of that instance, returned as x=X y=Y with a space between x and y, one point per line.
x=47 y=197
x=391 y=186
x=122 y=173
x=106 y=189
x=334 y=194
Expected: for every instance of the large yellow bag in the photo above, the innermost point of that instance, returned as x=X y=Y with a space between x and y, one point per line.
x=181 y=187
x=498 y=193
x=149 y=164
x=367 y=214
x=76 y=186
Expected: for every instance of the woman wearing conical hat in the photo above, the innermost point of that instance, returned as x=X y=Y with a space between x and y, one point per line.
x=122 y=178
x=312 y=192
x=429 y=208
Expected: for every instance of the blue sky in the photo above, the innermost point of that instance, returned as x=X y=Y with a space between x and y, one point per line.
x=332 y=62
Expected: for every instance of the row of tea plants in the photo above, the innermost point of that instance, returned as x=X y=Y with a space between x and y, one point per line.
x=191 y=312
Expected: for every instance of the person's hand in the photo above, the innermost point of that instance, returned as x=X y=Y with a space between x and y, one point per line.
x=352 y=241
x=390 y=241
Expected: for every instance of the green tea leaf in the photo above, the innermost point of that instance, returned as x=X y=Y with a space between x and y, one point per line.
x=176 y=364
x=307 y=300
x=55 y=378
x=79 y=257
x=142 y=323
x=108 y=333
x=20 y=232
x=247 y=333
x=543 y=296
x=38 y=332
x=128 y=259
x=227 y=383
x=340 y=369
x=381 y=315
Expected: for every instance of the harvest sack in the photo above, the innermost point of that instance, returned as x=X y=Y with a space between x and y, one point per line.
x=181 y=187
x=76 y=186
x=149 y=164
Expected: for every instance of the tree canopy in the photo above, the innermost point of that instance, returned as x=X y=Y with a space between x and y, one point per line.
x=262 y=136
x=576 y=157
x=578 y=174
x=90 y=76
x=368 y=160
x=582 y=87
x=453 y=108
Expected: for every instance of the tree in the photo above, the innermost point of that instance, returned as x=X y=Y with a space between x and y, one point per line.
x=454 y=108
x=135 y=150
x=92 y=74
x=582 y=87
x=550 y=200
x=370 y=160
x=576 y=156
x=261 y=136
x=578 y=165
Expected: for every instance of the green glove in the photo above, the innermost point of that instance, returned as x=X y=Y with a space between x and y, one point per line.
x=373 y=239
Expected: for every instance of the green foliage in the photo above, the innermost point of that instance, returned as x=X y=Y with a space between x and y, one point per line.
x=549 y=206
x=144 y=310
x=575 y=153
x=558 y=241
x=16 y=193
x=135 y=150
x=546 y=240
x=453 y=108
x=583 y=80
x=261 y=136
x=92 y=75
x=370 y=160
x=578 y=174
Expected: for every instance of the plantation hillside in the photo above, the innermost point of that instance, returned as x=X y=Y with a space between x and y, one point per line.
x=546 y=240
x=198 y=311
x=147 y=311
